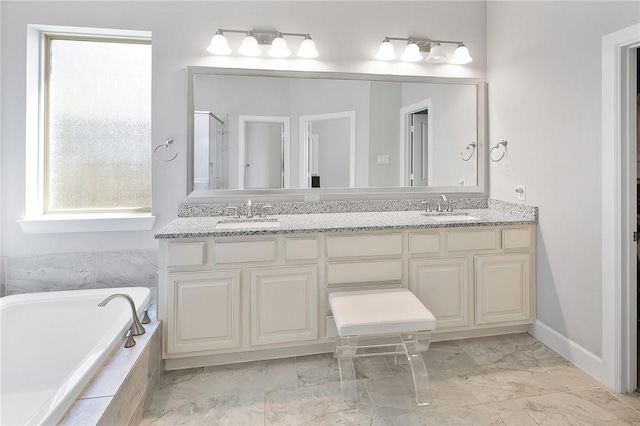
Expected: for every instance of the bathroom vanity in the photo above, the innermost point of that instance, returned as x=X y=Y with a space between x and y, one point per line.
x=255 y=292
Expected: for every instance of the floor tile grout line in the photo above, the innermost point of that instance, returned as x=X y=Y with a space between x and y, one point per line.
x=623 y=401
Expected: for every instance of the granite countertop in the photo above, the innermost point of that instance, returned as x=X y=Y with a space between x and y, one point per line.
x=204 y=226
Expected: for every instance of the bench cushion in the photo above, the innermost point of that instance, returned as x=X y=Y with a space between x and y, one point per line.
x=384 y=311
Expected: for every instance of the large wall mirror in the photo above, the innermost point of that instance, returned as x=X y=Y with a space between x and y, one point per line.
x=284 y=132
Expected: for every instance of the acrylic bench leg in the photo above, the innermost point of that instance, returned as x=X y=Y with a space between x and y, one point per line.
x=345 y=352
x=414 y=347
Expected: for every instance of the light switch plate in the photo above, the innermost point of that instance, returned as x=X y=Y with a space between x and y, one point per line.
x=521 y=190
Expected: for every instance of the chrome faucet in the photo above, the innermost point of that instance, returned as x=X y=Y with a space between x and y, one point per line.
x=442 y=202
x=136 y=328
x=249 y=209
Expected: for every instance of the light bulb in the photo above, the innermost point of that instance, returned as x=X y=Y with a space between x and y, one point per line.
x=436 y=54
x=411 y=53
x=249 y=46
x=279 y=48
x=219 y=45
x=385 y=51
x=461 y=55
x=308 y=49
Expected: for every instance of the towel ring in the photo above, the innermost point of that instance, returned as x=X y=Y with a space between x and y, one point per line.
x=165 y=145
x=504 y=144
x=472 y=147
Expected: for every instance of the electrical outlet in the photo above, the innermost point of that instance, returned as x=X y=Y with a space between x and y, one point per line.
x=383 y=159
x=522 y=192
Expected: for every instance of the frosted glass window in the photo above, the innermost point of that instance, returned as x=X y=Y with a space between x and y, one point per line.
x=98 y=126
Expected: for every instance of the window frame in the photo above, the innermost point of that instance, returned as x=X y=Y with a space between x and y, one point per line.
x=45 y=182
x=33 y=220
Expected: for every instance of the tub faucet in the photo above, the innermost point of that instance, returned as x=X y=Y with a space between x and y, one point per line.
x=136 y=328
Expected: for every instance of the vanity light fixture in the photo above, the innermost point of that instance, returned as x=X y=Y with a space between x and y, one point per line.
x=255 y=38
x=417 y=45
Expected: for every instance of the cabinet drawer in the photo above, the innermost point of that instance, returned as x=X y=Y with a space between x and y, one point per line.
x=364 y=245
x=185 y=254
x=300 y=248
x=362 y=272
x=471 y=240
x=424 y=243
x=244 y=251
x=516 y=238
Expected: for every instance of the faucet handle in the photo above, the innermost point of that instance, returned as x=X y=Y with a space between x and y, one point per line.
x=235 y=210
x=449 y=207
x=428 y=203
x=263 y=210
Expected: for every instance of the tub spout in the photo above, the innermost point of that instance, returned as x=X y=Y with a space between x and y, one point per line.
x=136 y=328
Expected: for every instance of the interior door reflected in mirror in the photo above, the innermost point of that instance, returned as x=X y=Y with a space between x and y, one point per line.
x=329 y=141
x=264 y=140
x=329 y=132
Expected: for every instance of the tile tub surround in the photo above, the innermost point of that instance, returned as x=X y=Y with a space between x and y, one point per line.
x=78 y=271
x=509 y=379
x=121 y=391
x=204 y=226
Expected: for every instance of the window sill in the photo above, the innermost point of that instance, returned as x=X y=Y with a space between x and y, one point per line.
x=107 y=222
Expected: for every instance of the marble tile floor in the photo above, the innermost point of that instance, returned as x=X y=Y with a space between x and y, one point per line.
x=501 y=380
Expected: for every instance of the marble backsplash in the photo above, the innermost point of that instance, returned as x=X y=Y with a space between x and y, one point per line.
x=78 y=271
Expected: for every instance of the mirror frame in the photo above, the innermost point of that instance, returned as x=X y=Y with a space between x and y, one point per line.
x=481 y=189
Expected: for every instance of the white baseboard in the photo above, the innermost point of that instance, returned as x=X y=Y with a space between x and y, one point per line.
x=569 y=349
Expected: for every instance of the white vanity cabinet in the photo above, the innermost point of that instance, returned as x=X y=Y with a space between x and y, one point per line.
x=226 y=299
x=284 y=304
x=205 y=312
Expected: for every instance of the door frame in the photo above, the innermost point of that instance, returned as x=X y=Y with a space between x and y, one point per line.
x=619 y=301
x=405 y=132
x=285 y=146
x=304 y=148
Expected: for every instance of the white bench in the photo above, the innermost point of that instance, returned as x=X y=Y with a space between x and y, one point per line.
x=361 y=315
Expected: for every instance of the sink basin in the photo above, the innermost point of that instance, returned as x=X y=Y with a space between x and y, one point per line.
x=248 y=223
x=453 y=217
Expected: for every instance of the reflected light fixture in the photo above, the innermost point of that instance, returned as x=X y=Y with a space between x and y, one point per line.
x=254 y=39
x=418 y=45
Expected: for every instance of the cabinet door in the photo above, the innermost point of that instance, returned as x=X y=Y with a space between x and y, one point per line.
x=284 y=304
x=205 y=313
x=503 y=288
x=442 y=285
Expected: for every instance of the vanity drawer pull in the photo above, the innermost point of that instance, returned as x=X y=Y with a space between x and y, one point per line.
x=185 y=254
x=364 y=245
x=244 y=251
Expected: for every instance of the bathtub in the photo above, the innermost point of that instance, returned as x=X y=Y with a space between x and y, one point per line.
x=52 y=344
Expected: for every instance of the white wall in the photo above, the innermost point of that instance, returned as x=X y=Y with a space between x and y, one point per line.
x=544 y=72
x=347 y=35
